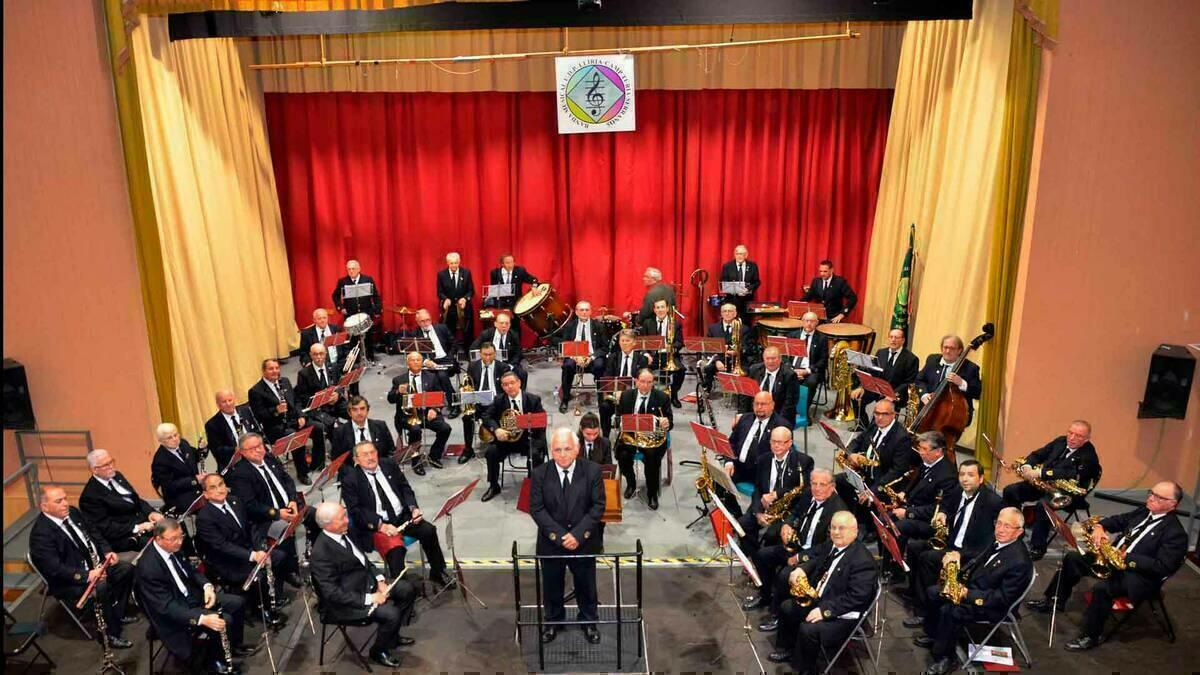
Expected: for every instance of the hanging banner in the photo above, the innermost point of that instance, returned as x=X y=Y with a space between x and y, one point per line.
x=595 y=93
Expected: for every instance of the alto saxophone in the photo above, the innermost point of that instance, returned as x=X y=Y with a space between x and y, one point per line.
x=735 y=337
x=704 y=481
x=672 y=364
x=801 y=590
x=889 y=491
x=782 y=505
x=952 y=588
x=1105 y=557
x=941 y=533
x=1061 y=491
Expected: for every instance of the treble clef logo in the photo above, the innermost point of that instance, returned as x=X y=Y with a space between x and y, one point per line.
x=595 y=97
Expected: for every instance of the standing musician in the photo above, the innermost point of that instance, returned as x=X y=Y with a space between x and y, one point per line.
x=625 y=362
x=317 y=375
x=529 y=442
x=938 y=367
x=273 y=402
x=659 y=323
x=751 y=438
x=444 y=358
x=644 y=399
x=112 y=507
x=885 y=441
x=266 y=491
x=566 y=500
x=581 y=328
x=411 y=421
x=370 y=305
x=1069 y=457
x=900 y=367
x=968 y=514
x=777 y=377
x=316 y=334
x=1152 y=545
x=777 y=475
x=935 y=475
x=832 y=291
x=745 y=271
x=175 y=471
x=380 y=501
x=724 y=329
x=182 y=605
x=991 y=581
x=655 y=290
x=805 y=528
x=485 y=374
x=810 y=368
x=349 y=585
x=228 y=424
x=509 y=273
x=455 y=289
x=507 y=342
x=844 y=576
x=361 y=429
x=68 y=555
x=230 y=551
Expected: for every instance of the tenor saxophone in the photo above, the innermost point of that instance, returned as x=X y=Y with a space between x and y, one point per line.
x=802 y=591
x=781 y=506
x=889 y=491
x=704 y=481
x=952 y=588
x=1061 y=491
x=941 y=533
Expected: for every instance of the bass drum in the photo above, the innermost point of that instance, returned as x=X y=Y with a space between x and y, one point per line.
x=543 y=310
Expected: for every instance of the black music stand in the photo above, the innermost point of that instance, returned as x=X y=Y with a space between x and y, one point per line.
x=447 y=510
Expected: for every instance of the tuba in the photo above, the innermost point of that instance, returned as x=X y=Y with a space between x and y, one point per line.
x=841 y=380
x=735 y=337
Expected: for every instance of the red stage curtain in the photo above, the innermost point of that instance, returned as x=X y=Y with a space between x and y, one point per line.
x=397 y=180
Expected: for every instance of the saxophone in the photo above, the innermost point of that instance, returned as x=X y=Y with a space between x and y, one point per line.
x=801 y=590
x=783 y=504
x=843 y=460
x=467 y=388
x=704 y=481
x=911 y=408
x=735 y=338
x=672 y=364
x=941 y=533
x=1106 y=557
x=1062 y=491
x=952 y=588
x=841 y=380
x=889 y=491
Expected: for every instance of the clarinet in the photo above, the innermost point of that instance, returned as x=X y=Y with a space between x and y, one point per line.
x=225 y=646
x=101 y=624
x=270 y=584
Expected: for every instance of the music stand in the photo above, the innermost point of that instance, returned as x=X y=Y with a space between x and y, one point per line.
x=322 y=398
x=1069 y=542
x=738 y=384
x=291 y=441
x=497 y=291
x=447 y=510
x=423 y=345
x=876 y=385
x=788 y=347
x=704 y=345
x=733 y=288
x=336 y=339
x=888 y=542
x=722 y=543
x=351 y=377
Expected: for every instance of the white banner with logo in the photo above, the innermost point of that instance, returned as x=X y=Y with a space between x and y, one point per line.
x=595 y=93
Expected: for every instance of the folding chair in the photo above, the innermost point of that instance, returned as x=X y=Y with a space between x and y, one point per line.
x=1126 y=609
x=860 y=634
x=1011 y=621
x=24 y=636
x=342 y=627
x=46 y=593
x=802 y=418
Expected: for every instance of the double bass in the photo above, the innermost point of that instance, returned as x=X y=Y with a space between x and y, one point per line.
x=947 y=410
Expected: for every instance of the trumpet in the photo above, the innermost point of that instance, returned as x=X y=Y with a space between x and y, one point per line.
x=412 y=419
x=941 y=532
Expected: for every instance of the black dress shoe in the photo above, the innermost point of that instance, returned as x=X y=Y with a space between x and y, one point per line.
x=467 y=456
x=913 y=622
x=119 y=642
x=386 y=660
x=752 y=602
x=941 y=667
x=548 y=634
x=1082 y=644
x=302 y=479
x=127 y=619
x=491 y=492
x=675 y=403
x=405 y=641
x=591 y=634
x=1037 y=553
x=769 y=626
x=444 y=580
x=435 y=463
x=1043 y=605
x=630 y=490
x=923 y=641
x=652 y=502
x=276 y=619
x=244 y=650
x=562 y=408
x=455 y=413
x=418 y=469
x=780 y=656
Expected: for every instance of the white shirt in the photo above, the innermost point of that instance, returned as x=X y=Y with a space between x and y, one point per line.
x=942 y=364
x=63 y=523
x=438 y=351
x=174 y=571
x=323 y=333
x=627 y=364
x=966 y=519
x=496 y=339
x=485 y=375
x=774 y=377
x=337 y=539
x=258 y=469
x=775 y=468
x=1154 y=521
x=361 y=432
x=570 y=471
x=232 y=426
x=801 y=362
x=759 y=424
x=812 y=525
x=112 y=484
x=581 y=334
x=387 y=492
x=873 y=448
x=829 y=575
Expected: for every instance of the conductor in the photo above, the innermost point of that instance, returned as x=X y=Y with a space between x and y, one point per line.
x=566 y=501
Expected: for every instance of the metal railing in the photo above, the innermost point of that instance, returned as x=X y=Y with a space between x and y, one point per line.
x=31 y=489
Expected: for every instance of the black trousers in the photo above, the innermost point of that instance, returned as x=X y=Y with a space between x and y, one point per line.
x=112 y=593
x=925 y=564
x=944 y=618
x=554 y=574
x=652 y=458
x=608 y=410
x=910 y=529
x=437 y=425
x=206 y=647
x=424 y=532
x=807 y=641
x=499 y=450
x=392 y=615
x=1121 y=584
x=772 y=564
x=596 y=368
x=300 y=455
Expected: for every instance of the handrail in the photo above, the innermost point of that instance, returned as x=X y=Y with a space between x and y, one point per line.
x=27 y=467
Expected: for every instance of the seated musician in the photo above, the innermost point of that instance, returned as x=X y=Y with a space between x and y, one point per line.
x=274 y=404
x=723 y=362
x=69 y=555
x=832 y=291
x=810 y=368
x=933 y=476
x=886 y=443
x=317 y=375
x=843 y=575
x=1071 y=457
x=592 y=444
x=224 y=428
x=968 y=514
x=777 y=377
x=778 y=475
x=348 y=585
x=444 y=357
x=380 y=501
x=509 y=273
x=656 y=290
x=662 y=321
x=644 y=399
x=990 y=583
x=750 y=438
x=507 y=342
x=175 y=471
x=370 y=305
x=455 y=290
x=1152 y=545
x=261 y=484
x=805 y=527
x=183 y=606
x=409 y=421
x=624 y=362
x=361 y=429
x=231 y=550
x=745 y=271
x=581 y=328
x=316 y=334
x=500 y=421
x=938 y=367
x=485 y=375
x=112 y=507
x=900 y=367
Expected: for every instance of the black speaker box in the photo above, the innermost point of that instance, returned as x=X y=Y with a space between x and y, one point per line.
x=1169 y=383
x=18 y=408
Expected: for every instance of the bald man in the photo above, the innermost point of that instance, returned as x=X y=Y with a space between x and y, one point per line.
x=810 y=369
x=322 y=328
x=581 y=328
x=751 y=438
x=230 y=422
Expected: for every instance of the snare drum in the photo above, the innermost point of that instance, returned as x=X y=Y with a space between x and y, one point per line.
x=358 y=324
x=773 y=326
x=860 y=337
x=543 y=310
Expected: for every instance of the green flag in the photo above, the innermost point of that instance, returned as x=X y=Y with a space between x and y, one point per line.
x=900 y=314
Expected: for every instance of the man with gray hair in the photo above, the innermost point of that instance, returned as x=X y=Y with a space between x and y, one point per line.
x=741 y=270
x=369 y=304
x=175 y=470
x=111 y=506
x=655 y=290
x=455 y=290
x=223 y=429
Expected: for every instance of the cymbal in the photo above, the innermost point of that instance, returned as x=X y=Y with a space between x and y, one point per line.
x=403 y=309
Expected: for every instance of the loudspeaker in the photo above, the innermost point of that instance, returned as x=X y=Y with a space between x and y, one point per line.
x=18 y=408
x=1169 y=383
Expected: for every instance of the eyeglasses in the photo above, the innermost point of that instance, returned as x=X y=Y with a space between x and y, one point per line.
x=1008 y=526
x=1161 y=498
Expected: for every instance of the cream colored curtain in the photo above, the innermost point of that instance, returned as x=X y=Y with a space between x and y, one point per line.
x=868 y=61
x=939 y=172
x=228 y=291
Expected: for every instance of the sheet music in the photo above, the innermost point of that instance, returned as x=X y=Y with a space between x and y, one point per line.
x=351 y=291
x=862 y=360
x=733 y=287
x=499 y=291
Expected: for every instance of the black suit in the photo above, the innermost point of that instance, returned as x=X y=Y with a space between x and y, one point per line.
x=308 y=338
x=747 y=346
x=818 y=359
x=772 y=560
x=920 y=496
x=796 y=469
x=659 y=405
x=601 y=451
x=175 y=615
x=575 y=510
x=346 y=436
x=518 y=278
x=994 y=581
x=977 y=525
x=222 y=438
x=225 y=544
x=650 y=327
x=428 y=382
x=65 y=566
x=599 y=338
x=900 y=374
x=785 y=390
x=511 y=342
x=260 y=501
x=366 y=520
x=371 y=305
x=931 y=376
x=475 y=372
x=532 y=442
x=342 y=581
x=838 y=298
x=895 y=455
x=464 y=289
x=1159 y=553
x=276 y=425
x=114 y=515
x=1083 y=466
x=852 y=579
x=308 y=383
x=745 y=471
x=729 y=272
x=614 y=366
x=175 y=478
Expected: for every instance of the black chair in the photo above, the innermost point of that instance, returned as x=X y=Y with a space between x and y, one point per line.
x=67 y=607
x=1126 y=611
x=1011 y=621
x=859 y=634
x=342 y=627
x=20 y=637
x=1084 y=505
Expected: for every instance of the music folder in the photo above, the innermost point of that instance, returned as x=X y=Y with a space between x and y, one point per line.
x=638 y=423
x=876 y=385
x=833 y=436
x=1064 y=530
x=501 y=355
x=862 y=360
x=476 y=398
x=331 y=469
x=291 y=441
x=613 y=385
x=534 y=420
x=738 y=384
x=796 y=309
x=336 y=339
x=576 y=349
x=737 y=527
x=351 y=377
x=889 y=542
x=718 y=475
x=321 y=398
x=427 y=399
x=650 y=343
x=733 y=287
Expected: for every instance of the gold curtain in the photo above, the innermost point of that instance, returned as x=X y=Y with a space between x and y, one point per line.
x=227 y=283
x=178 y=6
x=939 y=172
x=1031 y=24
x=866 y=62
